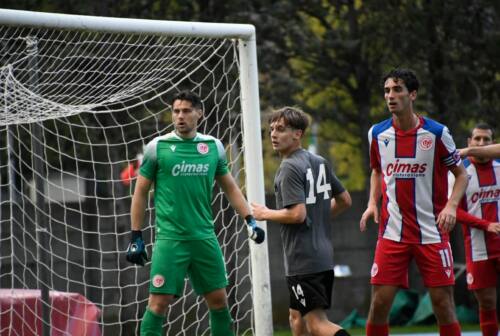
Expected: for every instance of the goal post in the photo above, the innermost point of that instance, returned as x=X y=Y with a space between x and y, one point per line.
x=102 y=90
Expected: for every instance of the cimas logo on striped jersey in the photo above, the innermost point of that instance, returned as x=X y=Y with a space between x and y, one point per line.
x=485 y=195
x=405 y=168
x=190 y=169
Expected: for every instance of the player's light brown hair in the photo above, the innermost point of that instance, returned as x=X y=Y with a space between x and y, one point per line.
x=292 y=116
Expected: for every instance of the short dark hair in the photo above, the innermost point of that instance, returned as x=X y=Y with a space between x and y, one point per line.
x=190 y=97
x=292 y=116
x=407 y=75
x=483 y=126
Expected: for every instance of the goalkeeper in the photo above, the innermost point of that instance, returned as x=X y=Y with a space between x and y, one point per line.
x=183 y=165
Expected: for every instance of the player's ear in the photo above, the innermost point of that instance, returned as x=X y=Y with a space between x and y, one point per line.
x=199 y=112
x=413 y=95
x=297 y=134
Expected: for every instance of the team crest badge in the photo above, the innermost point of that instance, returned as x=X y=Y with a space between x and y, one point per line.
x=158 y=280
x=425 y=143
x=202 y=148
x=374 y=270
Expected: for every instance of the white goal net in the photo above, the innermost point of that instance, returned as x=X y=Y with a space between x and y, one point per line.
x=76 y=109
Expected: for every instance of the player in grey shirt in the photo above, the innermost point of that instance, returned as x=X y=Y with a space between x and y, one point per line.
x=307 y=195
x=304 y=177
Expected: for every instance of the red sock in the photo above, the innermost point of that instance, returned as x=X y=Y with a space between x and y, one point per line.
x=488 y=322
x=377 y=330
x=450 y=329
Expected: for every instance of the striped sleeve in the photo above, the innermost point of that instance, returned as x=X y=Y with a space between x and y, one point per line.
x=374 y=150
x=447 y=149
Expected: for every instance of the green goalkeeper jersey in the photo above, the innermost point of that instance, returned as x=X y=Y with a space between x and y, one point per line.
x=183 y=171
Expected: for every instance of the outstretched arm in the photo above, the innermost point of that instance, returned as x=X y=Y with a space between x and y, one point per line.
x=233 y=194
x=295 y=214
x=239 y=203
x=490 y=151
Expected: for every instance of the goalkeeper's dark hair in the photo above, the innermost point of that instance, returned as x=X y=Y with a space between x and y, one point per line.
x=483 y=126
x=292 y=116
x=190 y=97
x=408 y=76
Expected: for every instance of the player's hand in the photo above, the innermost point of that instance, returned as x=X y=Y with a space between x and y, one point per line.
x=259 y=211
x=463 y=152
x=371 y=211
x=447 y=218
x=254 y=232
x=136 y=250
x=494 y=227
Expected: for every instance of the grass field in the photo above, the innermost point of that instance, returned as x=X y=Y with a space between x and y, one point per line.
x=394 y=330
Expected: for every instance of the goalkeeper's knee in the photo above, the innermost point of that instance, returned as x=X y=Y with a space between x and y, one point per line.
x=221 y=322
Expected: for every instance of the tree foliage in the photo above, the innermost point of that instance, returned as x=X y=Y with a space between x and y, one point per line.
x=327 y=56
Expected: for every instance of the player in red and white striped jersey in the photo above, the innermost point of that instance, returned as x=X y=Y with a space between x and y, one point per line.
x=482 y=248
x=410 y=159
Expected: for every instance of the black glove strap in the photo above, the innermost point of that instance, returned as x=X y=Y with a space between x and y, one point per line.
x=136 y=234
x=249 y=218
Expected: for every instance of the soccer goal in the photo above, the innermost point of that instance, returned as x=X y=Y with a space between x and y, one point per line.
x=80 y=97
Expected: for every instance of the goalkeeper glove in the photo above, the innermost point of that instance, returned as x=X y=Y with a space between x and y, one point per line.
x=136 y=250
x=254 y=232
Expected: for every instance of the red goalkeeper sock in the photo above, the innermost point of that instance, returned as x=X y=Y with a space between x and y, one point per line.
x=488 y=322
x=377 y=330
x=450 y=329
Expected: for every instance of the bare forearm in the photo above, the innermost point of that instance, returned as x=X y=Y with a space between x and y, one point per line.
x=238 y=201
x=340 y=203
x=339 y=208
x=458 y=190
x=137 y=210
x=490 y=151
x=284 y=216
x=233 y=194
x=375 y=187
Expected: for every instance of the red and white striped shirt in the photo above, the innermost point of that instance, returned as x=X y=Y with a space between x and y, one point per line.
x=414 y=166
x=482 y=199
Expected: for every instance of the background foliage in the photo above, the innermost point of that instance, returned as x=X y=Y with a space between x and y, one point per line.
x=328 y=57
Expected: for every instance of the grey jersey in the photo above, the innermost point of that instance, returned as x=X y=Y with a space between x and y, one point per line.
x=307 y=178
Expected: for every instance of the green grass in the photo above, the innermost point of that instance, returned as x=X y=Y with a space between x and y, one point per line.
x=394 y=330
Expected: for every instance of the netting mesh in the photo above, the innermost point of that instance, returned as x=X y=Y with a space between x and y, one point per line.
x=76 y=110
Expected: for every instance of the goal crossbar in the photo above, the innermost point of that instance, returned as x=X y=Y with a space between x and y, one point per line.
x=125 y=25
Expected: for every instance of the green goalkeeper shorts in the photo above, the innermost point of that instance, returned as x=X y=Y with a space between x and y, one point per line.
x=201 y=260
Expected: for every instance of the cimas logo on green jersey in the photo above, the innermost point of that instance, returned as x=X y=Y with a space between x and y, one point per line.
x=190 y=169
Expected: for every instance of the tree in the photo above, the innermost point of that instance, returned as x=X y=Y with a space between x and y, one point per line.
x=336 y=52
x=328 y=57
